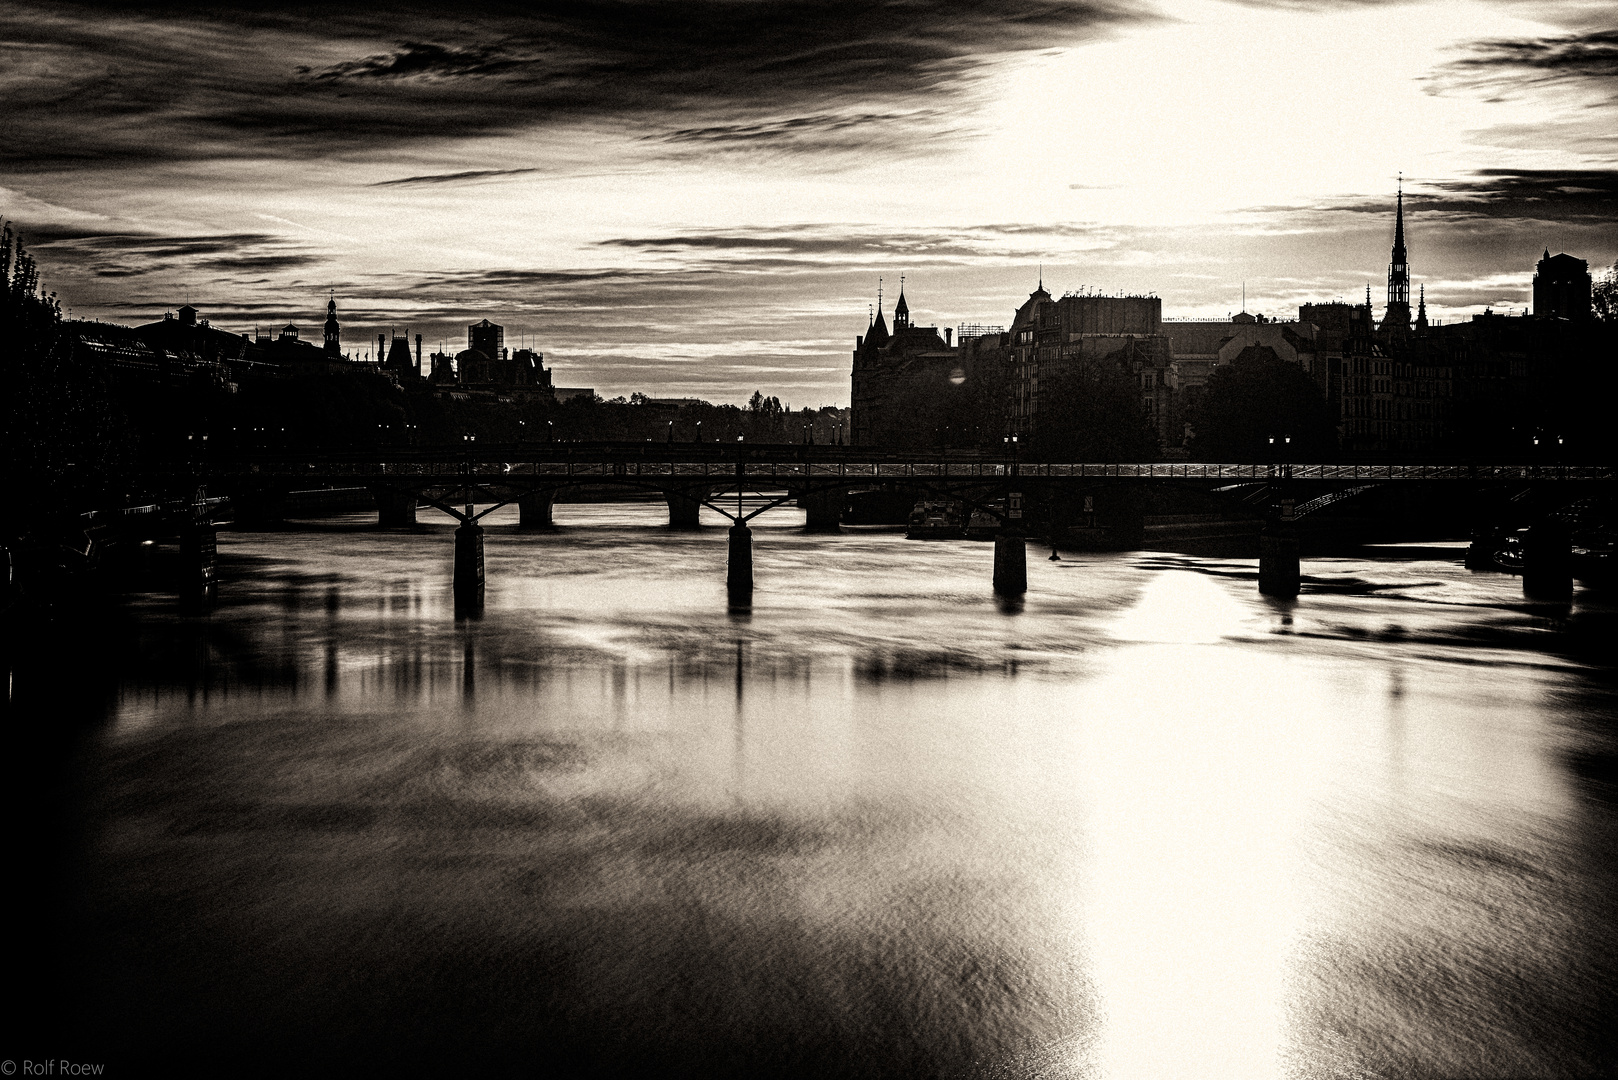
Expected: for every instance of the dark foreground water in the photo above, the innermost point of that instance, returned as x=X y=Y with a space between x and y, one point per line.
x=1145 y=824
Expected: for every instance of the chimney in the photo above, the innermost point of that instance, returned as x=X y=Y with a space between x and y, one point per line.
x=949 y=336
x=418 y=356
x=381 y=348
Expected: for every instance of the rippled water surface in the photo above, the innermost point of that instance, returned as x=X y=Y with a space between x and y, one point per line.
x=1145 y=823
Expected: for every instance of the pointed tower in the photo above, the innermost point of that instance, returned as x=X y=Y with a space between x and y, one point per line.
x=1421 y=311
x=878 y=334
x=333 y=346
x=1397 y=316
x=901 y=310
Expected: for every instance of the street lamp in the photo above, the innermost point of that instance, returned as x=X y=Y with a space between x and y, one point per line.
x=699 y=431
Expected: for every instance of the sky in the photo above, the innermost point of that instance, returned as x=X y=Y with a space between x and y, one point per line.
x=699 y=198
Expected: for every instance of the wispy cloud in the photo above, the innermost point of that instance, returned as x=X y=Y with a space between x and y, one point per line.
x=452 y=178
x=1588 y=58
x=86 y=83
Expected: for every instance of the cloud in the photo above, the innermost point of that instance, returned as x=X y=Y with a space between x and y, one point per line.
x=850 y=246
x=87 y=83
x=1585 y=59
x=123 y=255
x=1529 y=197
x=452 y=178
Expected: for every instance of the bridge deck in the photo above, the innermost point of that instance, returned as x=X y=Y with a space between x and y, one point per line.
x=760 y=469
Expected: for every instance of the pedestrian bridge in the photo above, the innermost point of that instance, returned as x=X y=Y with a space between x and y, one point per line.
x=470 y=482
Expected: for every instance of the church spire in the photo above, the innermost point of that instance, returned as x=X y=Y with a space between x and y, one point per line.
x=901 y=310
x=1397 y=315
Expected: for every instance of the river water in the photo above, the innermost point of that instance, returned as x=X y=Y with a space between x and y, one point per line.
x=1145 y=823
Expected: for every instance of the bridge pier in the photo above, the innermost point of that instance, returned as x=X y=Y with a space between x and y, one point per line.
x=469 y=565
x=534 y=510
x=739 y=569
x=685 y=503
x=259 y=508
x=1278 y=572
x=1480 y=552
x=823 y=508
x=199 y=570
x=1010 y=565
x=395 y=509
x=1547 y=562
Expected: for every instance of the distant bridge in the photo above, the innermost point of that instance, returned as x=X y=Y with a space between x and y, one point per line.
x=471 y=482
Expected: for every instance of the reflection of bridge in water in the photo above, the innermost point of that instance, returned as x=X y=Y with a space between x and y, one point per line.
x=471 y=484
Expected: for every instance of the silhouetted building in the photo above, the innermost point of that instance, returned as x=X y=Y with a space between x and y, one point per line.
x=1092 y=335
x=399 y=363
x=487 y=338
x=333 y=331
x=903 y=381
x=1562 y=287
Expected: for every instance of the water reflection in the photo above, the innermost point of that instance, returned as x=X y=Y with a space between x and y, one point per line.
x=1153 y=826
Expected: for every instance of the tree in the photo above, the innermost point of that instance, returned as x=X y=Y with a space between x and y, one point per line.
x=1604 y=296
x=1256 y=397
x=1092 y=412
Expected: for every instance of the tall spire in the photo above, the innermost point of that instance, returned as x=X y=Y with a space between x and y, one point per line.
x=1399 y=268
x=1396 y=317
x=333 y=331
x=901 y=310
x=1399 y=221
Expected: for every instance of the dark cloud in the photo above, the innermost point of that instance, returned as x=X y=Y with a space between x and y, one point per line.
x=91 y=83
x=1583 y=197
x=120 y=255
x=913 y=246
x=452 y=178
x=1571 y=195
x=1590 y=56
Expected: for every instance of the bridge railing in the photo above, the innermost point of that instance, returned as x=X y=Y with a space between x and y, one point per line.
x=786 y=471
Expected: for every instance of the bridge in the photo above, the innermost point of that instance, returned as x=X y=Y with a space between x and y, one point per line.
x=470 y=482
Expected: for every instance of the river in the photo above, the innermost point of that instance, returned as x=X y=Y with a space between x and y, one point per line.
x=1143 y=823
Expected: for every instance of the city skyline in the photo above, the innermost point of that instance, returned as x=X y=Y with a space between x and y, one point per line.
x=700 y=203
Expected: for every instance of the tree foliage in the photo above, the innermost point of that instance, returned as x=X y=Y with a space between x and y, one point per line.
x=61 y=443
x=1254 y=398
x=1604 y=296
x=1093 y=413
